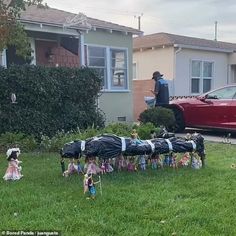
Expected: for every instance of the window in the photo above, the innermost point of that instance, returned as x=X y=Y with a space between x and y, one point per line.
x=118 y=69
x=224 y=93
x=201 y=77
x=111 y=65
x=96 y=58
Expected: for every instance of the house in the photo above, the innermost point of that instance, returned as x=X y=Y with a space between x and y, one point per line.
x=191 y=65
x=60 y=38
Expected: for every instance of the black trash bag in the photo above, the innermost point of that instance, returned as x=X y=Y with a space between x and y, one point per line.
x=103 y=146
x=71 y=150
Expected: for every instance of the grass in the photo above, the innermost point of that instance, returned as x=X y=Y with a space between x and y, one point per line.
x=187 y=202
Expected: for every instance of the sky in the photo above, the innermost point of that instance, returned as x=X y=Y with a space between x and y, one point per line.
x=194 y=18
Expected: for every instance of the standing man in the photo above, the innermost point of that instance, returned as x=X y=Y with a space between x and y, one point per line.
x=161 y=90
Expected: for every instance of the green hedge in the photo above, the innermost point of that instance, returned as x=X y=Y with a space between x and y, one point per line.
x=158 y=116
x=48 y=100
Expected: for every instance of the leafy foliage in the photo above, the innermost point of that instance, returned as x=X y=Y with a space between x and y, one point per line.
x=48 y=100
x=11 y=31
x=158 y=116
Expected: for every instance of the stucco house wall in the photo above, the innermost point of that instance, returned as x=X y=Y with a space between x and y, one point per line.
x=150 y=60
x=182 y=85
x=117 y=105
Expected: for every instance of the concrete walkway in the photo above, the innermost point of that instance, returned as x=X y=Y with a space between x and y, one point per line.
x=211 y=136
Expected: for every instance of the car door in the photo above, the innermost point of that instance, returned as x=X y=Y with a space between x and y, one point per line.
x=232 y=113
x=219 y=109
x=213 y=109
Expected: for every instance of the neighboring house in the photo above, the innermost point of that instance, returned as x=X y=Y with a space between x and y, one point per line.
x=60 y=38
x=191 y=65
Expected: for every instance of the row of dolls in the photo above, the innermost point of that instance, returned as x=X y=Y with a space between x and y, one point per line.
x=142 y=162
x=14 y=169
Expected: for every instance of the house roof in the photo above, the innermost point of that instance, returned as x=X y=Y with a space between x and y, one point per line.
x=56 y=17
x=166 y=39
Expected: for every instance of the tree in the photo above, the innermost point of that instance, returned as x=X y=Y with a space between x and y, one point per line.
x=12 y=32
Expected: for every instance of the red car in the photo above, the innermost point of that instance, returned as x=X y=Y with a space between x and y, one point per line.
x=215 y=109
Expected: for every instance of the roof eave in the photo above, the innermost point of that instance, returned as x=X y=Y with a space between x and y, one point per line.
x=204 y=48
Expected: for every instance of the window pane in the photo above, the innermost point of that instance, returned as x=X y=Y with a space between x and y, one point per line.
x=96 y=52
x=118 y=78
x=196 y=68
x=195 y=86
x=118 y=59
x=96 y=62
x=206 y=85
x=207 y=69
x=118 y=69
x=225 y=93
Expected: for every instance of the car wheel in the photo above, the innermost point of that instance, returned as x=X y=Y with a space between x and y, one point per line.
x=179 y=121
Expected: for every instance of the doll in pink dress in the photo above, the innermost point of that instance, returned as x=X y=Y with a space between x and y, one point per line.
x=13 y=171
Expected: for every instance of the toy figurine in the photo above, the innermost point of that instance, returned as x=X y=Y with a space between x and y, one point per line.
x=196 y=162
x=166 y=160
x=93 y=167
x=79 y=167
x=89 y=186
x=184 y=161
x=103 y=168
x=142 y=162
x=174 y=161
x=72 y=168
x=13 y=171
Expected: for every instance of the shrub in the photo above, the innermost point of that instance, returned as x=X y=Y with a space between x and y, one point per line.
x=25 y=142
x=158 y=116
x=144 y=130
x=48 y=99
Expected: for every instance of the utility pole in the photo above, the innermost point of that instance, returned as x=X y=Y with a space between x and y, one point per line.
x=139 y=20
x=216 y=30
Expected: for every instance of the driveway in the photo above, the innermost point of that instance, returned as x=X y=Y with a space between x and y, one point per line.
x=213 y=136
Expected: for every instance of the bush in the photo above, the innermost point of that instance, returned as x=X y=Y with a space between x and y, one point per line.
x=48 y=99
x=144 y=130
x=158 y=116
x=25 y=142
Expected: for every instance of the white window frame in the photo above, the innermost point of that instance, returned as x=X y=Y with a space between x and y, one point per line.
x=108 y=67
x=201 y=78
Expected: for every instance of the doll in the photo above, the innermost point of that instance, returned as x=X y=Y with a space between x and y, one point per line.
x=103 y=170
x=79 y=167
x=154 y=162
x=13 y=171
x=174 y=161
x=184 y=161
x=108 y=166
x=135 y=138
x=89 y=186
x=72 y=168
x=166 y=160
x=196 y=162
x=142 y=162
x=92 y=167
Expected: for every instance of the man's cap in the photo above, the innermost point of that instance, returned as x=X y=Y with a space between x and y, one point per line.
x=156 y=74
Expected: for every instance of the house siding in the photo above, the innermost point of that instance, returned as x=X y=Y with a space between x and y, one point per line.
x=115 y=103
x=148 y=61
x=183 y=69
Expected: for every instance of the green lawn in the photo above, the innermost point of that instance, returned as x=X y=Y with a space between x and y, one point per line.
x=187 y=202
